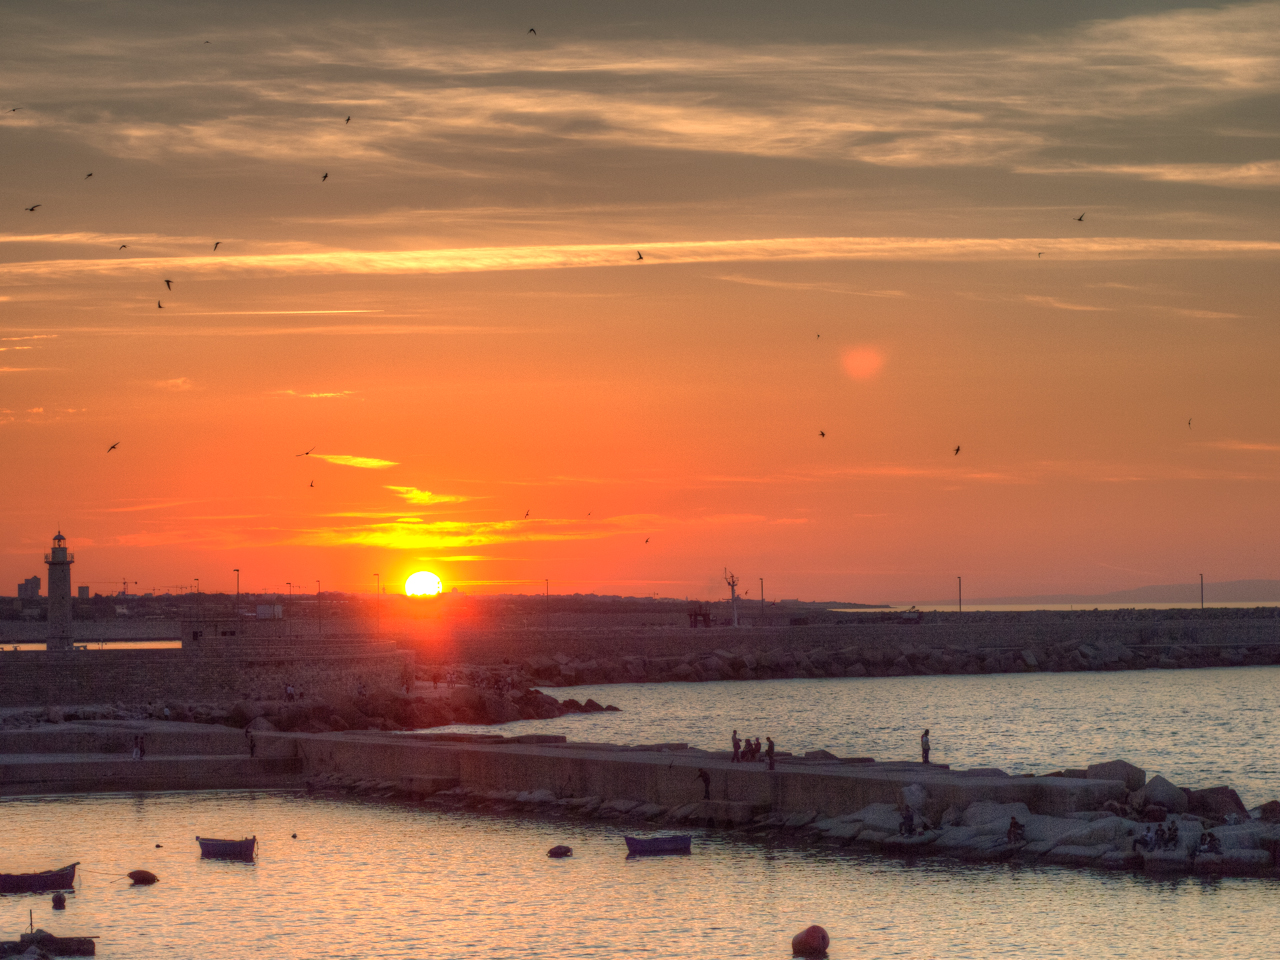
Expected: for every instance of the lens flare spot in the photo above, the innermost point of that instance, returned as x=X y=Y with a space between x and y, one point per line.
x=862 y=363
x=423 y=584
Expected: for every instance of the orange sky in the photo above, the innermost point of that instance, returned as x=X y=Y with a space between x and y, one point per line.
x=856 y=219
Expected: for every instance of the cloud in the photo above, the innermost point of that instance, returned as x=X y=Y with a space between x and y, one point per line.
x=551 y=257
x=862 y=363
x=339 y=395
x=414 y=495
x=416 y=534
x=16 y=348
x=1245 y=447
x=1063 y=305
x=365 y=463
x=178 y=384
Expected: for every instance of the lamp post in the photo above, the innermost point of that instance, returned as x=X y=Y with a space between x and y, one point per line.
x=762 y=601
x=377 y=602
x=287 y=604
x=319 y=614
x=236 y=571
x=960 y=594
x=1202 y=591
x=197 y=598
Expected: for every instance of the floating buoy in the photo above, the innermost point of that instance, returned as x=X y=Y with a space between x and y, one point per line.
x=559 y=852
x=59 y=901
x=143 y=878
x=810 y=942
x=158 y=846
x=295 y=836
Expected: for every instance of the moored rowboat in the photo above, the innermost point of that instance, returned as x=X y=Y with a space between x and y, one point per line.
x=645 y=846
x=61 y=879
x=227 y=849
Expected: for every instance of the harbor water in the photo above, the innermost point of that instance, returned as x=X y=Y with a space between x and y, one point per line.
x=401 y=881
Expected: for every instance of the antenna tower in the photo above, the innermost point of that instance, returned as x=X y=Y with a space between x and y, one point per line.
x=732 y=581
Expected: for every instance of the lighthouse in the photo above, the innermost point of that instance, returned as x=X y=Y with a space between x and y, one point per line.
x=59 y=562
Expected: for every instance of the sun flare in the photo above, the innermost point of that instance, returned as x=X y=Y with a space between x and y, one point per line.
x=423 y=584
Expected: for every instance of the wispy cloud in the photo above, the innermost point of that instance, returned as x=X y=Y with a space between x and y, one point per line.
x=415 y=534
x=477 y=259
x=176 y=384
x=332 y=395
x=414 y=495
x=365 y=463
x=1062 y=304
x=1244 y=446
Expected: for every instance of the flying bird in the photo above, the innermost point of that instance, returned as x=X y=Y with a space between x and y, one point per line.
x=88 y=175
x=822 y=433
x=646 y=539
x=169 y=284
x=216 y=245
x=113 y=446
x=15 y=109
x=32 y=209
x=324 y=178
x=957 y=453
x=313 y=483
x=639 y=255
x=208 y=41
x=526 y=513
x=348 y=120
x=159 y=305
x=1081 y=217
x=304 y=454
x=533 y=31
x=1039 y=255
x=124 y=246
x=1188 y=423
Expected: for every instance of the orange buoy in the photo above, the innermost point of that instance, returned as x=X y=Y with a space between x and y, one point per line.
x=810 y=942
x=59 y=901
x=143 y=877
x=557 y=853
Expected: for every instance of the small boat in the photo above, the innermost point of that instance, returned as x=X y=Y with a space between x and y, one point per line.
x=648 y=846
x=62 y=879
x=227 y=849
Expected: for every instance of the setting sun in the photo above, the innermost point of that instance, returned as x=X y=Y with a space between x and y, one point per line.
x=423 y=584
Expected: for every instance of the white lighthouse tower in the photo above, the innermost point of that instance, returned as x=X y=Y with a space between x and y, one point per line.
x=60 y=562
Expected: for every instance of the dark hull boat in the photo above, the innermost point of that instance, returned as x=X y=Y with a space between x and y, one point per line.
x=63 y=879
x=648 y=846
x=227 y=849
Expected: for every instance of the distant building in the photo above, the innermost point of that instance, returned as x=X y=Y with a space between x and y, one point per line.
x=29 y=589
x=82 y=593
x=270 y=611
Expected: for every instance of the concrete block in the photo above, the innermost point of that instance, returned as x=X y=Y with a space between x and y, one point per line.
x=1133 y=778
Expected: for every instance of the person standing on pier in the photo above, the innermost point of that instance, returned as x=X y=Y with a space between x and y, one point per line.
x=924 y=746
x=706 y=783
x=769 y=751
x=737 y=747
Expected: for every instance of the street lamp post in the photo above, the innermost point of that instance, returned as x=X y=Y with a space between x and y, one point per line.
x=287 y=604
x=1202 y=591
x=377 y=602
x=319 y=614
x=236 y=571
x=960 y=594
x=197 y=598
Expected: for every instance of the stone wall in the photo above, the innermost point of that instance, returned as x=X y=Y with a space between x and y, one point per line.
x=34 y=678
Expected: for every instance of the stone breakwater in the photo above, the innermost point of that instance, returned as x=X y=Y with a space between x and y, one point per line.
x=1095 y=817
x=890 y=657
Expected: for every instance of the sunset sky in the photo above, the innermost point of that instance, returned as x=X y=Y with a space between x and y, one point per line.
x=858 y=219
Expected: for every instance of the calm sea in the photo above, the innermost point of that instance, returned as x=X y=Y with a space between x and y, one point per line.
x=368 y=879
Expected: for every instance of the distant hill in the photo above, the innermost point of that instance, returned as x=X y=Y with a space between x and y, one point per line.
x=1232 y=591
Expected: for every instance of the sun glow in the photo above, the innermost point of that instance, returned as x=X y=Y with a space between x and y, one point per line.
x=423 y=584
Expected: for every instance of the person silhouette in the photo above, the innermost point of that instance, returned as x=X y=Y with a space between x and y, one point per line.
x=924 y=746
x=737 y=747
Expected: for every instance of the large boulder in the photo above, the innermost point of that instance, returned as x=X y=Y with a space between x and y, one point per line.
x=1270 y=811
x=988 y=811
x=1133 y=778
x=260 y=725
x=1161 y=792
x=1217 y=803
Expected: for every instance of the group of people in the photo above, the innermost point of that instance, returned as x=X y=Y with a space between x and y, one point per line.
x=745 y=751
x=1158 y=838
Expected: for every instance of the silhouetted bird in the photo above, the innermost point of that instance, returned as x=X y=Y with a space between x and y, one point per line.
x=822 y=433
x=348 y=120
x=159 y=305
x=113 y=446
x=1039 y=255
x=15 y=109
x=533 y=31
x=216 y=245
x=32 y=209
x=324 y=178
x=124 y=246
x=313 y=483
x=957 y=453
x=526 y=513
x=1081 y=217
x=168 y=284
x=639 y=255
x=88 y=175
x=307 y=453
x=646 y=539
x=208 y=41
x=1188 y=423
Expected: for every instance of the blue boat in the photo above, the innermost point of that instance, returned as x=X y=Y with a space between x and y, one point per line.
x=649 y=846
x=227 y=849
